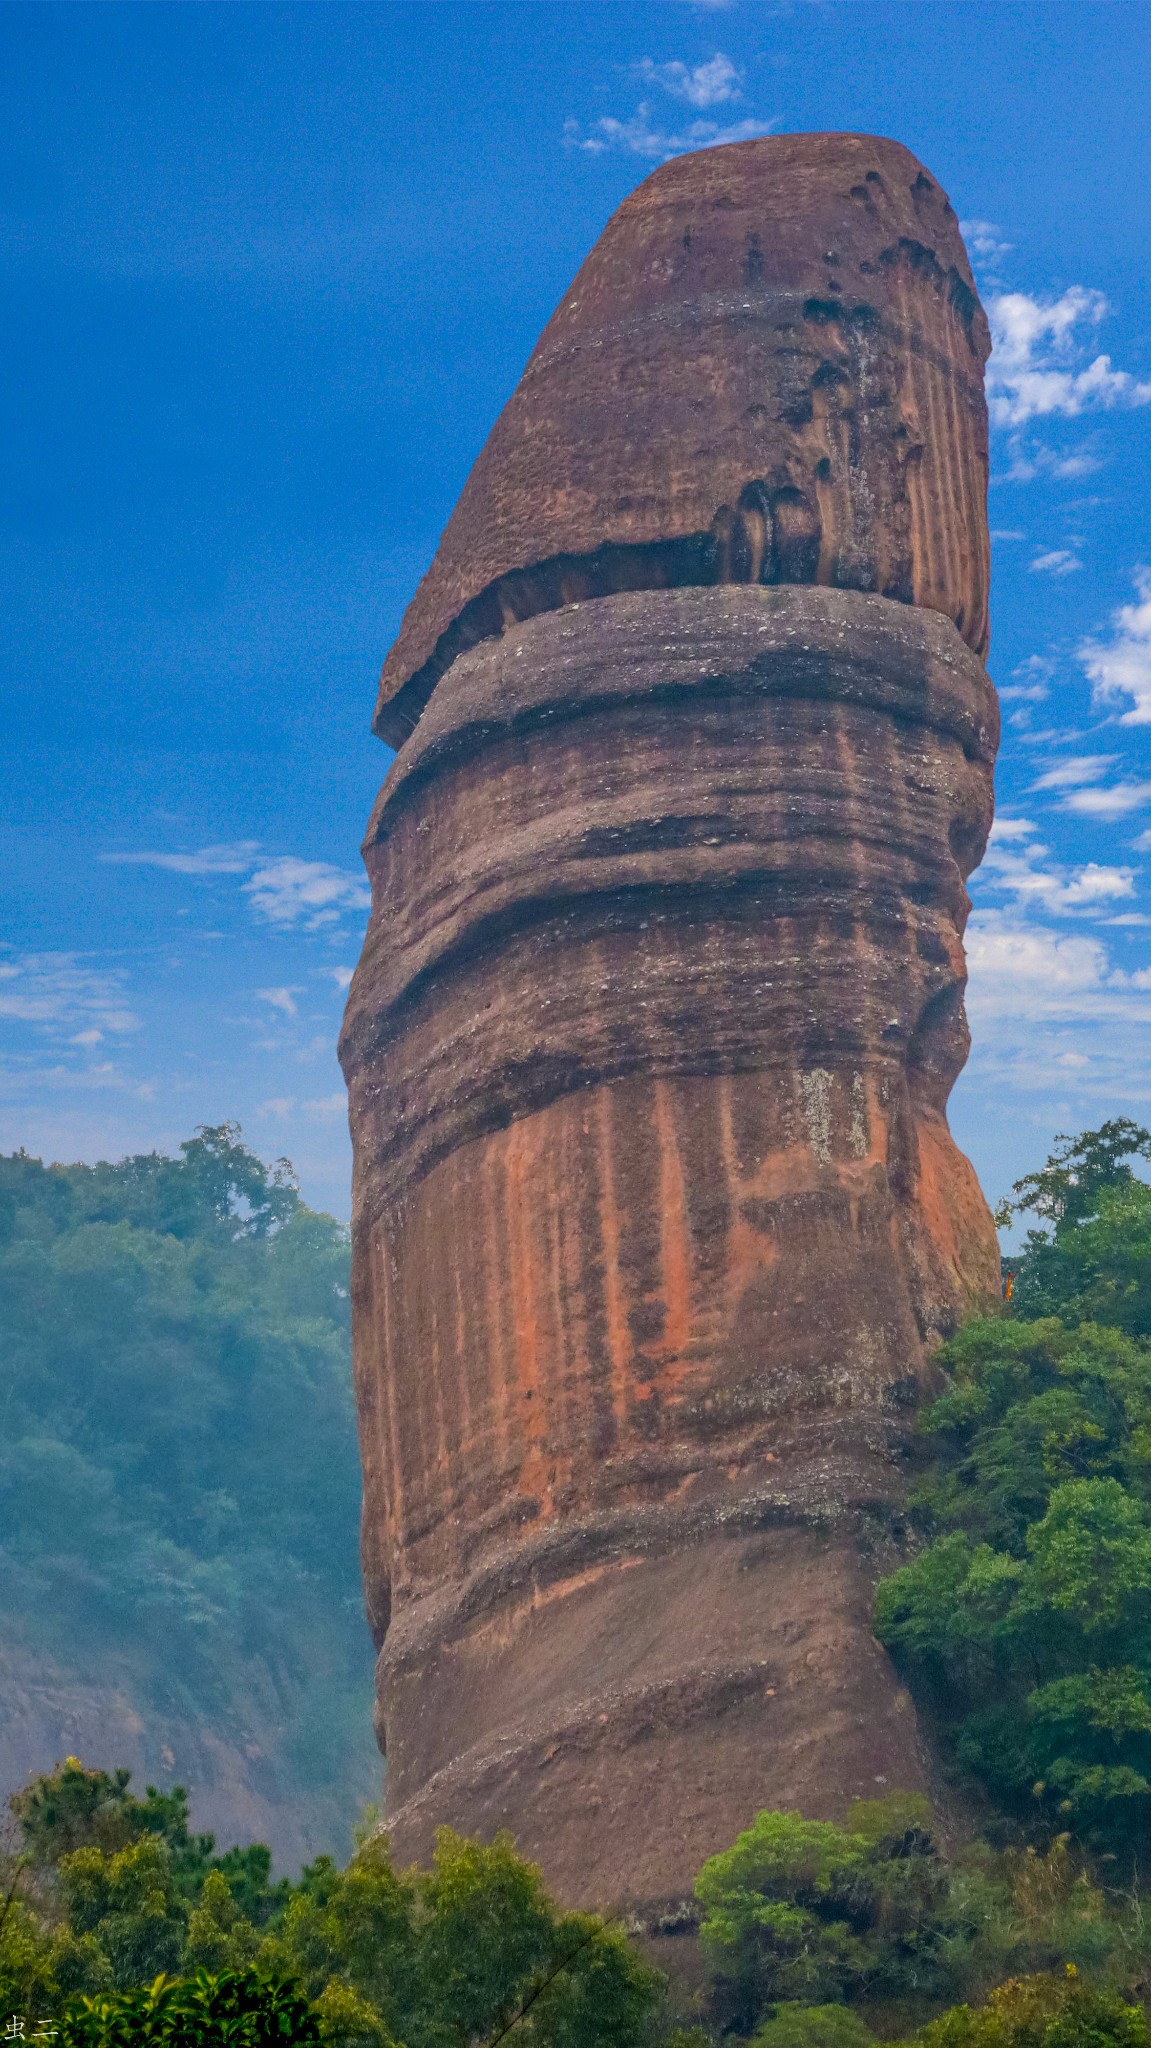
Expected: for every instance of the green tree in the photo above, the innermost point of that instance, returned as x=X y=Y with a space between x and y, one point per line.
x=461 y=1951
x=1093 y=1263
x=806 y=1913
x=129 y=1904
x=231 y=2010
x=813 y=2026
x=134 y=1916
x=1026 y=1615
x=176 y=1340
x=1058 y=2010
x=1034 y=1592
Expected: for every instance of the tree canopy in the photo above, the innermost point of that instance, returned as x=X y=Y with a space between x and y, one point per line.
x=120 y=1925
x=1026 y=1616
x=179 y=1479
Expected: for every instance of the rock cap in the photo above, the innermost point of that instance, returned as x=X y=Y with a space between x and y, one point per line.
x=768 y=369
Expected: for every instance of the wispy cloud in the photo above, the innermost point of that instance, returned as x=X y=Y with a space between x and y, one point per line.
x=1054 y=1017
x=1077 y=782
x=1033 y=371
x=1030 y=681
x=1117 y=801
x=1029 y=974
x=1119 y=665
x=1023 y=970
x=232 y=858
x=641 y=137
x=716 y=83
x=985 y=244
x=1036 y=460
x=310 y=893
x=64 y=994
x=282 y=889
x=277 y=1106
x=713 y=84
x=322 y=1109
x=1055 y=562
x=1077 y=770
x=1018 y=865
x=283 y=999
x=1011 y=828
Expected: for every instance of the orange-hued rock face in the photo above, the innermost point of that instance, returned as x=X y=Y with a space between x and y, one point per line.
x=769 y=369
x=657 y=1215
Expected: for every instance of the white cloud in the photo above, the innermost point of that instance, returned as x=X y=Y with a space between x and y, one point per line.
x=282 y=890
x=1118 y=801
x=1026 y=972
x=1053 y=1017
x=283 y=999
x=1119 y=667
x=1077 y=770
x=61 y=992
x=1033 y=373
x=1030 y=681
x=322 y=1109
x=277 y=1106
x=232 y=858
x=640 y=137
x=1023 y=970
x=308 y=892
x=716 y=83
x=1094 y=883
x=1055 y=562
x=1038 y=460
x=713 y=84
x=985 y=242
x=1013 y=866
x=1011 y=828
x=342 y=976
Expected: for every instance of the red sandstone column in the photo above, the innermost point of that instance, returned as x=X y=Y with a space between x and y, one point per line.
x=657 y=1214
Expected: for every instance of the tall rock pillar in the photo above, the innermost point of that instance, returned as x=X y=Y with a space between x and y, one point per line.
x=657 y=1213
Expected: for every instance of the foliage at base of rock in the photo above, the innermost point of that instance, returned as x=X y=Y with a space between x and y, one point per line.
x=1025 y=1620
x=204 y=2012
x=1057 y=2010
x=112 y=1893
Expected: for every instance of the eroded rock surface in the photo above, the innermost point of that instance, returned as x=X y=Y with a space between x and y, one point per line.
x=769 y=369
x=657 y=1214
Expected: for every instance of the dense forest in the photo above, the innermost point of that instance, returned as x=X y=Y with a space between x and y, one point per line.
x=1021 y=1619
x=179 y=1484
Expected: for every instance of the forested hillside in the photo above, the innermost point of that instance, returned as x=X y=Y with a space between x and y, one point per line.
x=179 y=1488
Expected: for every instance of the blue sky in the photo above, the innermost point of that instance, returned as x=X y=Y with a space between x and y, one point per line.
x=269 y=274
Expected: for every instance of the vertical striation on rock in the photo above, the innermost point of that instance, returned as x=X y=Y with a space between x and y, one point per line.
x=657 y=1213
